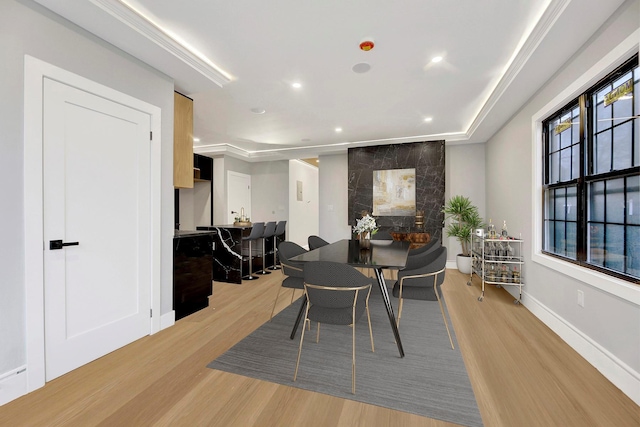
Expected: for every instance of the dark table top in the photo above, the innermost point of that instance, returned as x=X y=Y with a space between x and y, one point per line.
x=380 y=254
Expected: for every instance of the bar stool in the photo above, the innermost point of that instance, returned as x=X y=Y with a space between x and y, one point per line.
x=269 y=231
x=280 y=228
x=256 y=233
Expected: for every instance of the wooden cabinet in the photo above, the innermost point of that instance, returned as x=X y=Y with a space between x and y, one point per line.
x=182 y=141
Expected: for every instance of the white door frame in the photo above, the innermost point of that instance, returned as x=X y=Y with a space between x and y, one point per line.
x=34 y=72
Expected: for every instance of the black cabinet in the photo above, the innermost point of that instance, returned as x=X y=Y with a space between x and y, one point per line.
x=205 y=164
x=192 y=271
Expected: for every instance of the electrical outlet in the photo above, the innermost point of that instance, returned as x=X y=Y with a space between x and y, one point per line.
x=581 y=298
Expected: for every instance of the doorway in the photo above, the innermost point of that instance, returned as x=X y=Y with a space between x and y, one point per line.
x=147 y=205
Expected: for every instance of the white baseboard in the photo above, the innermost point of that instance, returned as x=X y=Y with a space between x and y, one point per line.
x=615 y=370
x=167 y=320
x=13 y=384
x=452 y=264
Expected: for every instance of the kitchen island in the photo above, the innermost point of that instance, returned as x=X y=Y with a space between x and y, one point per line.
x=231 y=260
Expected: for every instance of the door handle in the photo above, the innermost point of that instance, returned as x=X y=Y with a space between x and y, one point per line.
x=58 y=244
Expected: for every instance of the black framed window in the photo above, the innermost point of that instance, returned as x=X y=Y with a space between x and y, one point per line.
x=592 y=177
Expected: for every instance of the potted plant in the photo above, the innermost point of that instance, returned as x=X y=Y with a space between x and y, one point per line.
x=464 y=220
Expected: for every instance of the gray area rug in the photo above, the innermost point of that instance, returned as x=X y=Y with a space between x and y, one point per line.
x=431 y=380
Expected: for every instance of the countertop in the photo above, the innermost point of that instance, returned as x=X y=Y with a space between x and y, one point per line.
x=242 y=227
x=190 y=233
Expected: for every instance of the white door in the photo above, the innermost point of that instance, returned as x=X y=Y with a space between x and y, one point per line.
x=96 y=159
x=238 y=195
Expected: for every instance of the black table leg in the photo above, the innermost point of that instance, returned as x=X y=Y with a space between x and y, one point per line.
x=300 y=313
x=387 y=303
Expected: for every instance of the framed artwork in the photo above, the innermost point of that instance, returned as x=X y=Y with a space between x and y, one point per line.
x=394 y=192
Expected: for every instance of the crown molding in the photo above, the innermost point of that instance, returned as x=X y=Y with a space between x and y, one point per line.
x=293 y=152
x=549 y=17
x=155 y=34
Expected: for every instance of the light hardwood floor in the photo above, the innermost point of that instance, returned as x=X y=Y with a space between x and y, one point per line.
x=522 y=374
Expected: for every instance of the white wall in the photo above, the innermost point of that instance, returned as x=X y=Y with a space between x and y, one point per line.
x=334 y=198
x=464 y=175
x=27 y=28
x=219 y=192
x=303 y=215
x=270 y=191
x=195 y=205
x=606 y=331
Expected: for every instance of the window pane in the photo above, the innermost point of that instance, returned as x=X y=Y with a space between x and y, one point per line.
x=575 y=165
x=559 y=238
x=572 y=234
x=554 y=139
x=633 y=200
x=614 y=253
x=560 y=204
x=548 y=202
x=633 y=251
x=548 y=236
x=602 y=153
x=565 y=137
x=615 y=201
x=622 y=146
x=636 y=144
x=554 y=168
x=603 y=114
x=572 y=204
x=596 y=244
x=565 y=165
x=596 y=201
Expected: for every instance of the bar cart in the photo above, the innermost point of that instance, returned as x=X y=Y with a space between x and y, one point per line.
x=497 y=261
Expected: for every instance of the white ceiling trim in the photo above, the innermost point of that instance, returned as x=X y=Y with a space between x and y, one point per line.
x=130 y=17
x=314 y=150
x=537 y=35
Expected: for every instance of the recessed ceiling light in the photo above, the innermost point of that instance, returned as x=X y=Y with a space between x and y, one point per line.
x=428 y=119
x=296 y=85
x=305 y=140
x=196 y=139
x=360 y=68
x=436 y=59
x=338 y=130
x=258 y=110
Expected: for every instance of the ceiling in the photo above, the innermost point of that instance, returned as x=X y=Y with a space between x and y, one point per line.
x=495 y=55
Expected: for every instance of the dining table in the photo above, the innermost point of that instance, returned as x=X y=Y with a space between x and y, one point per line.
x=377 y=255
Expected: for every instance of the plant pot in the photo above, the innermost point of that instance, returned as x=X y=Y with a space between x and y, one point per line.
x=463 y=263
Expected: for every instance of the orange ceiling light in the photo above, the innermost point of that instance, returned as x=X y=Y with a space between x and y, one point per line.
x=366 y=45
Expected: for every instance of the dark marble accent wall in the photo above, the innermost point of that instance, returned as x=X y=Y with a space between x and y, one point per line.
x=428 y=160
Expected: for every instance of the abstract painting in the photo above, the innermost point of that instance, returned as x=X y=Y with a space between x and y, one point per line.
x=394 y=192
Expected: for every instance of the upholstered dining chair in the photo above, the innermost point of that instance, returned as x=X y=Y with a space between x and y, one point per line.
x=316 y=242
x=423 y=282
x=431 y=246
x=292 y=270
x=336 y=294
